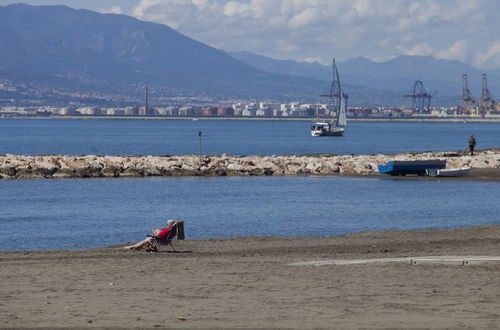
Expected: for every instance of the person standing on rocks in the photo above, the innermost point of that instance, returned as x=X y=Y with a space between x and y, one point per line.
x=472 y=144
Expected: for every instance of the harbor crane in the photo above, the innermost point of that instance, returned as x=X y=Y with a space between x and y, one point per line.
x=487 y=101
x=421 y=99
x=466 y=100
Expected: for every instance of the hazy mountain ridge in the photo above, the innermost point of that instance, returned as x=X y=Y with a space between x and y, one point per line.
x=110 y=56
x=57 y=46
x=398 y=74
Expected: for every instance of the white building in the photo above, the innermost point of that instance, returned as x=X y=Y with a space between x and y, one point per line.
x=89 y=110
x=285 y=107
x=246 y=113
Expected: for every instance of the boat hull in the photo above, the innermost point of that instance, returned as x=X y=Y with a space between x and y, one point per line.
x=415 y=167
x=336 y=131
x=454 y=172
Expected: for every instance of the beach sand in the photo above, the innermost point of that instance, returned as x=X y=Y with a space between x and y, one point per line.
x=249 y=283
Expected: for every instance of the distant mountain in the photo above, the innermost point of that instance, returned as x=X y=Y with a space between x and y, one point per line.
x=437 y=74
x=313 y=70
x=81 y=50
x=55 y=53
x=359 y=95
x=396 y=75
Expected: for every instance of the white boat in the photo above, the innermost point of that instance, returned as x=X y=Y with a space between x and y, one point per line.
x=323 y=128
x=450 y=172
x=338 y=108
x=454 y=172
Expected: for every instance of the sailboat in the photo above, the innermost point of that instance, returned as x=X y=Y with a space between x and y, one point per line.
x=338 y=105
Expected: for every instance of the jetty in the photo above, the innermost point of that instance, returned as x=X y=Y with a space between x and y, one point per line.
x=95 y=166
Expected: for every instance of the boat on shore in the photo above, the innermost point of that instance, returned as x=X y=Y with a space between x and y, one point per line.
x=450 y=172
x=411 y=167
x=337 y=125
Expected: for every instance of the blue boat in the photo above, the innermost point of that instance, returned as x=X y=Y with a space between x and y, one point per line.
x=416 y=167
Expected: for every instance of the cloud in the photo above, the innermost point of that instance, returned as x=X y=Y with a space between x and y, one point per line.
x=113 y=10
x=311 y=59
x=422 y=49
x=320 y=29
x=304 y=18
x=490 y=58
x=457 y=51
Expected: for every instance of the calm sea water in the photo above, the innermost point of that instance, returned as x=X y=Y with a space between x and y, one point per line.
x=180 y=137
x=78 y=214
x=89 y=213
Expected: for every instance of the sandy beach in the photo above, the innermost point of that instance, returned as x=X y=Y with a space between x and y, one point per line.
x=252 y=282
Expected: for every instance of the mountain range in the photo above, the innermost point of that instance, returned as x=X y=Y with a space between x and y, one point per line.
x=64 y=48
x=398 y=74
x=56 y=53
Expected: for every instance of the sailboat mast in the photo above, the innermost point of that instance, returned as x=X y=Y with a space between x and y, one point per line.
x=335 y=91
x=342 y=104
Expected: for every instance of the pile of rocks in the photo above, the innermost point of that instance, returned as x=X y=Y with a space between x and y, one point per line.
x=64 y=166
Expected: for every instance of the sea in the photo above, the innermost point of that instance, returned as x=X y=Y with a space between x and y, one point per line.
x=92 y=213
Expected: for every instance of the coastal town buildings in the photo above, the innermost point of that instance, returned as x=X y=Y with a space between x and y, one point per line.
x=243 y=110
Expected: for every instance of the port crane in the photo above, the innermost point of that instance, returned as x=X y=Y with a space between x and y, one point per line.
x=466 y=100
x=487 y=101
x=421 y=99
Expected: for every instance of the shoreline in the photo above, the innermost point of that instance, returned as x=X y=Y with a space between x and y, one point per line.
x=430 y=119
x=485 y=165
x=260 y=282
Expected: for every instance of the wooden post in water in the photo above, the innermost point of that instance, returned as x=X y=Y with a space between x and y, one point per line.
x=199 y=150
x=180 y=230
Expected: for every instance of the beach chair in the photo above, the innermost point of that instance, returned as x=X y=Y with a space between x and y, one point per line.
x=164 y=241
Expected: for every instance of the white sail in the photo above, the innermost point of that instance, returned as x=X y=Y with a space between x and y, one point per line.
x=342 y=117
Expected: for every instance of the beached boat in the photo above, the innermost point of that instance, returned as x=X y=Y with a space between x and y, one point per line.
x=449 y=172
x=415 y=167
x=337 y=125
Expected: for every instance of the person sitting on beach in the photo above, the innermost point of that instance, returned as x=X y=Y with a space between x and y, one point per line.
x=158 y=233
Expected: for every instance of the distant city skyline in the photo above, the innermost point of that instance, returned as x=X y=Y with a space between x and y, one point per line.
x=316 y=30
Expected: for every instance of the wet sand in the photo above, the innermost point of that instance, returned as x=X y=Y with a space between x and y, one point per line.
x=249 y=282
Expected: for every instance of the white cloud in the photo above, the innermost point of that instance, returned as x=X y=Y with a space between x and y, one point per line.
x=457 y=51
x=304 y=18
x=311 y=59
x=490 y=58
x=320 y=29
x=113 y=10
x=422 y=49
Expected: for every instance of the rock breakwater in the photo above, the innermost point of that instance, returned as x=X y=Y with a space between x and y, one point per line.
x=65 y=166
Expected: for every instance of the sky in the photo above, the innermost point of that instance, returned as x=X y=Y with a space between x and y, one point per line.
x=317 y=30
